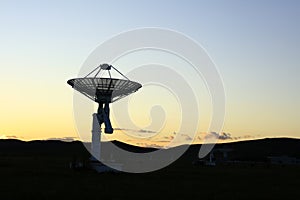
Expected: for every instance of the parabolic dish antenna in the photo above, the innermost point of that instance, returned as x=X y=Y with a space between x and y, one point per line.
x=104 y=90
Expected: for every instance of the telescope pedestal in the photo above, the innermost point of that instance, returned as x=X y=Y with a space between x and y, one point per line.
x=95 y=160
x=96 y=138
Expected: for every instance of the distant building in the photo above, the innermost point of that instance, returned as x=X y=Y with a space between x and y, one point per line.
x=283 y=160
x=218 y=155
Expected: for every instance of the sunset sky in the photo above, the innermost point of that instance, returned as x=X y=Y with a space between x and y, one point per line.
x=254 y=44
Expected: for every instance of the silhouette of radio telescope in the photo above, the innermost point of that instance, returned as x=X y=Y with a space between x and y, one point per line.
x=103 y=90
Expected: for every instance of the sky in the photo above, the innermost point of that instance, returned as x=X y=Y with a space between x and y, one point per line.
x=254 y=44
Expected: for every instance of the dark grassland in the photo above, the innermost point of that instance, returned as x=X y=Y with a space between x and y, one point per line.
x=40 y=170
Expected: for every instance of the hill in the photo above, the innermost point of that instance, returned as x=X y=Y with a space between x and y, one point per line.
x=40 y=170
x=256 y=150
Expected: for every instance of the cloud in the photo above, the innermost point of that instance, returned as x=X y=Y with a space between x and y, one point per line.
x=154 y=146
x=225 y=136
x=65 y=139
x=165 y=139
x=244 y=137
x=222 y=136
x=10 y=137
x=171 y=137
x=135 y=130
x=146 y=131
x=187 y=137
x=149 y=145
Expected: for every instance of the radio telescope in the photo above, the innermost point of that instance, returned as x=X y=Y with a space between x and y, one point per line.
x=103 y=90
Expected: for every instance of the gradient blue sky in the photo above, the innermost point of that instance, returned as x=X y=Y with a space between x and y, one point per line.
x=255 y=45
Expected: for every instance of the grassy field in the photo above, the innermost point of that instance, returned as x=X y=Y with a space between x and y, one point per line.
x=41 y=176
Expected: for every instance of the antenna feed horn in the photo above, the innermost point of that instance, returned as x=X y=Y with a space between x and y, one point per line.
x=105 y=66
